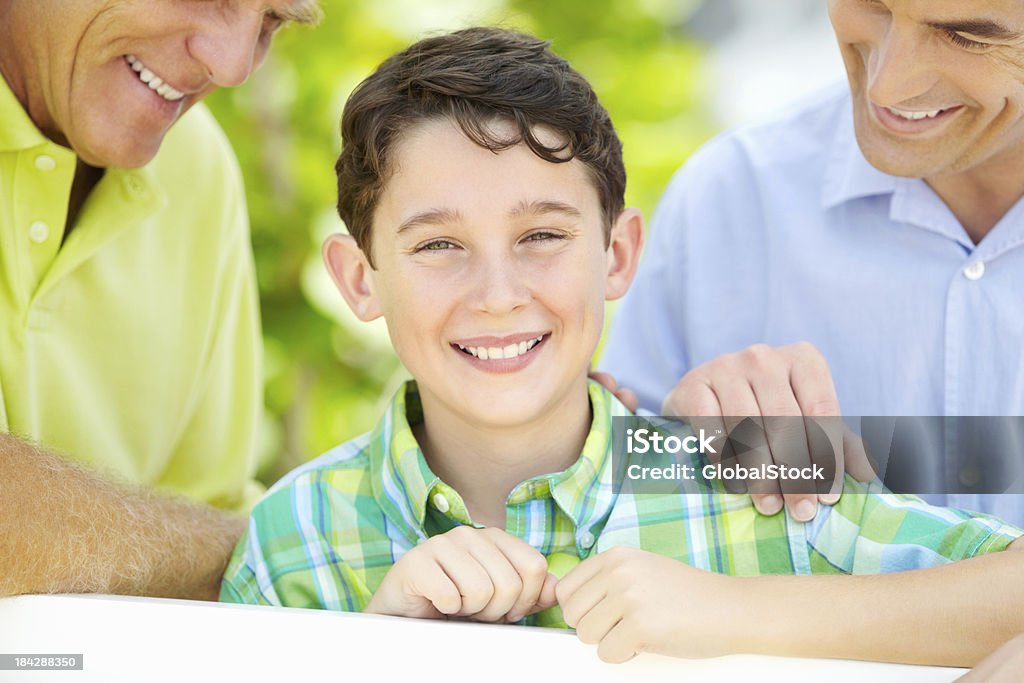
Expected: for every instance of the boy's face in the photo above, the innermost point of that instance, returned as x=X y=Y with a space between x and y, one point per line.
x=491 y=272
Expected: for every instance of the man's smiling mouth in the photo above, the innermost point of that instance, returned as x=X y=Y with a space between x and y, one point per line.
x=155 y=83
x=501 y=352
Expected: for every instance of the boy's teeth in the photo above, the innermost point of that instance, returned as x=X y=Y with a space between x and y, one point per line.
x=155 y=83
x=495 y=353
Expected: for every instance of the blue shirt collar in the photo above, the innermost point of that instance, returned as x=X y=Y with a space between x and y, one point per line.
x=849 y=175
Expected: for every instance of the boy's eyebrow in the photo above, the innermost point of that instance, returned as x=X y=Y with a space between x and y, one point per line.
x=306 y=12
x=981 y=28
x=430 y=217
x=542 y=206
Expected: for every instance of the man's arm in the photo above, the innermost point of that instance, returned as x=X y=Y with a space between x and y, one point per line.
x=953 y=615
x=64 y=529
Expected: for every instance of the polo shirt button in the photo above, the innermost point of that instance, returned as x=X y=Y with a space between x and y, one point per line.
x=134 y=185
x=38 y=232
x=587 y=540
x=44 y=162
x=441 y=503
x=975 y=271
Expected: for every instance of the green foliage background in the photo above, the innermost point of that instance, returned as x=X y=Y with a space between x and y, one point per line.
x=327 y=375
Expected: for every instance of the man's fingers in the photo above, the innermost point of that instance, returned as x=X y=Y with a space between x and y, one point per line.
x=858 y=462
x=605 y=379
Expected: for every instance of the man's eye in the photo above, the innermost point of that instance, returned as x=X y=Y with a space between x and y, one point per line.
x=966 y=43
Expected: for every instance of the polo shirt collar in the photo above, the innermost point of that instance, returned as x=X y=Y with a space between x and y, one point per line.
x=18 y=131
x=849 y=175
x=403 y=483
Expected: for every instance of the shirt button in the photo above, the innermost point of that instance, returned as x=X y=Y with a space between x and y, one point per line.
x=38 y=232
x=134 y=186
x=441 y=503
x=587 y=540
x=975 y=270
x=45 y=162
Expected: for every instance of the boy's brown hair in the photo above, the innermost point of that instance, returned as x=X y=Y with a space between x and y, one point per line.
x=473 y=77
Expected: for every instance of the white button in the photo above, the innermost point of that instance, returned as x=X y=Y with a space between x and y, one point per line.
x=45 y=162
x=587 y=540
x=441 y=503
x=975 y=270
x=38 y=232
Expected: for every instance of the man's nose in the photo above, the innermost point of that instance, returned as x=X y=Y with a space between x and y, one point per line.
x=901 y=67
x=228 y=46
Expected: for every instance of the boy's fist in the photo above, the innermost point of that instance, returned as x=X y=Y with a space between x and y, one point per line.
x=628 y=601
x=480 y=574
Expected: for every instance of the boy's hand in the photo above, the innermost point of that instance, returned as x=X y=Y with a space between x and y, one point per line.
x=480 y=574
x=629 y=601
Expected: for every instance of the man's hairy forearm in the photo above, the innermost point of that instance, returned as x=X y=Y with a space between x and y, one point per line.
x=65 y=529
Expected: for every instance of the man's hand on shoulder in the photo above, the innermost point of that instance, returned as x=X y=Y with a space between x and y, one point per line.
x=776 y=385
x=480 y=574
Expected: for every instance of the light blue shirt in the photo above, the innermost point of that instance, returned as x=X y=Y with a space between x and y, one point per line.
x=782 y=232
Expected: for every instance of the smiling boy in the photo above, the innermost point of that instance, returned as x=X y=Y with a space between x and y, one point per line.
x=482 y=184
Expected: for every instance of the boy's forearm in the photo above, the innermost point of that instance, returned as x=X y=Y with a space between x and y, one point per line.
x=64 y=529
x=952 y=615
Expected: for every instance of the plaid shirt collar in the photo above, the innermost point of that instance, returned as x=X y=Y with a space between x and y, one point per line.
x=403 y=483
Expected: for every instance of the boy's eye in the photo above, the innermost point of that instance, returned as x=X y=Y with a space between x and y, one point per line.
x=543 y=235
x=436 y=245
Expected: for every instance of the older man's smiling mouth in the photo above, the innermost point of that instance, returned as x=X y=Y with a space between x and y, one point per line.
x=155 y=83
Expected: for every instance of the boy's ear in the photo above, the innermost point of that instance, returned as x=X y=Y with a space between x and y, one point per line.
x=352 y=275
x=625 y=243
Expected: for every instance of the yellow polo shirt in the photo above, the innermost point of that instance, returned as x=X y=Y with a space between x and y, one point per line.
x=135 y=347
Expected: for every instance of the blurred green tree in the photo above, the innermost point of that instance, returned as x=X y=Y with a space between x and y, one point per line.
x=328 y=376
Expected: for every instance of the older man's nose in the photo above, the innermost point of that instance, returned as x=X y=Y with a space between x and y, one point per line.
x=230 y=48
x=901 y=68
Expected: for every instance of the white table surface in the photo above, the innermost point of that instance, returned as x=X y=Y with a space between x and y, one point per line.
x=145 y=639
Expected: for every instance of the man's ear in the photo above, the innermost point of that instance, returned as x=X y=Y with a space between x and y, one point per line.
x=625 y=243
x=352 y=275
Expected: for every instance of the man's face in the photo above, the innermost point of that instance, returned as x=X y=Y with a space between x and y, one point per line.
x=938 y=85
x=108 y=78
x=491 y=272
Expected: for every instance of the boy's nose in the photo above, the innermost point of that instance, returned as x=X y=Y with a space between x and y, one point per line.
x=229 y=46
x=500 y=287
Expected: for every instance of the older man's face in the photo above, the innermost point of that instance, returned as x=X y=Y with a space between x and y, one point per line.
x=938 y=85
x=108 y=78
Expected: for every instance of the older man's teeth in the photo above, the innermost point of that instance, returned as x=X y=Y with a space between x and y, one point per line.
x=915 y=115
x=155 y=83
x=496 y=353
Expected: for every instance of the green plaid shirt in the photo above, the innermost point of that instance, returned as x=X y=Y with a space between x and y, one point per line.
x=326 y=534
